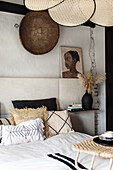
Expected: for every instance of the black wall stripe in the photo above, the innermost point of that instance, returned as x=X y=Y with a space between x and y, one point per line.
x=13 y=8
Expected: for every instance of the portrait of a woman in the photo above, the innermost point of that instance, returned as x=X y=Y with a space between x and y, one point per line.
x=71 y=60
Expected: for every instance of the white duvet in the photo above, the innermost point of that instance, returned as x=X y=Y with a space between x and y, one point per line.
x=33 y=156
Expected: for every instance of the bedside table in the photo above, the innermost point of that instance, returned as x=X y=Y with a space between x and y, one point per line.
x=83 y=121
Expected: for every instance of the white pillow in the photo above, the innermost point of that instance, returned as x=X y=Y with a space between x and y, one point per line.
x=28 y=131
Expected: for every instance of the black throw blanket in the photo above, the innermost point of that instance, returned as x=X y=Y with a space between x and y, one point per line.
x=68 y=161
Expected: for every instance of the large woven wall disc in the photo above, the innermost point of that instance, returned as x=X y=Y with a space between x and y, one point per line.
x=37 y=5
x=38 y=32
x=104 y=13
x=72 y=12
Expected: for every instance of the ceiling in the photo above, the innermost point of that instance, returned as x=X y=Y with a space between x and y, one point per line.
x=14 y=1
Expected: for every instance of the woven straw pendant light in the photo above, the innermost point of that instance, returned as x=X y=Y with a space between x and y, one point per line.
x=38 y=5
x=72 y=12
x=104 y=13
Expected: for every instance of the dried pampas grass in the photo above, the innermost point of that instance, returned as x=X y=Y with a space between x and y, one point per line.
x=88 y=81
x=100 y=78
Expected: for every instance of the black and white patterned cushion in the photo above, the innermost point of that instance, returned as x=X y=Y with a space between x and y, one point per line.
x=59 y=122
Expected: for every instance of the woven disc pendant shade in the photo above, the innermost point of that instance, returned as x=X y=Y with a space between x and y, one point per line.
x=72 y=12
x=104 y=13
x=38 y=5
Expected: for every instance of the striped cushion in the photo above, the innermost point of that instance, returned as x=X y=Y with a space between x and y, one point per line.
x=5 y=121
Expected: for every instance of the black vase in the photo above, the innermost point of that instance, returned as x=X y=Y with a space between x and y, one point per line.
x=87 y=101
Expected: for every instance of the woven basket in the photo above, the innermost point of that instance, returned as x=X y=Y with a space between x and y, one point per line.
x=38 y=32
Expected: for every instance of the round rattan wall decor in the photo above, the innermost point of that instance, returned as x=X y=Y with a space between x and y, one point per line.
x=38 y=32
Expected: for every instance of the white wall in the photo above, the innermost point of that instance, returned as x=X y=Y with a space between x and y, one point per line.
x=100 y=64
x=15 y=61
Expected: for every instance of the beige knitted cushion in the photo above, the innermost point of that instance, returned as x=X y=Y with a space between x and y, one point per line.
x=21 y=115
x=58 y=122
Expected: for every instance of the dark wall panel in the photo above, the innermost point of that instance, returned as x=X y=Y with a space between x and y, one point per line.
x=109 y=75
x=13 y=8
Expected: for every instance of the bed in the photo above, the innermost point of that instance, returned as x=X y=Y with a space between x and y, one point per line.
x=33 y=156
x=43 y=155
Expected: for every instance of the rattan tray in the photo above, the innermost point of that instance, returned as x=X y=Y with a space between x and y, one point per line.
x=92 y=148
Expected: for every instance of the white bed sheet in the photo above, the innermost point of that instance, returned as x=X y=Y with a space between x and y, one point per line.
x=33 y=156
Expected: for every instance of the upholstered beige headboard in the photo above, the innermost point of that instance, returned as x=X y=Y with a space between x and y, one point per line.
x=67 y=91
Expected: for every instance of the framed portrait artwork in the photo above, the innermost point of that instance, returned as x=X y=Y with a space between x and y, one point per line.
x=71 y=58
